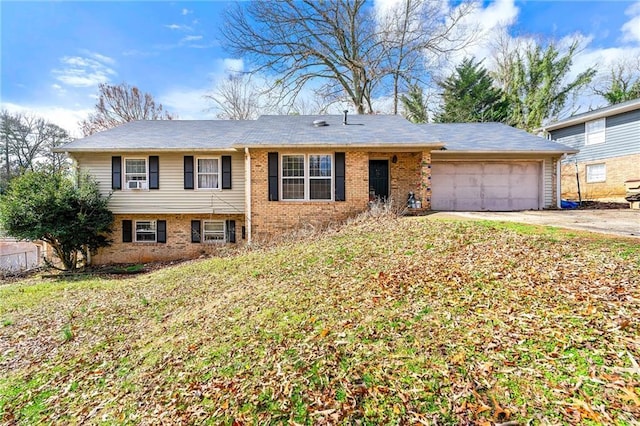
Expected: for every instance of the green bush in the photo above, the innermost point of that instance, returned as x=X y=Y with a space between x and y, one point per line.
x=72 y=218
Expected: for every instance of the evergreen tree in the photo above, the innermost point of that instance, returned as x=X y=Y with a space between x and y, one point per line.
x=535 y=82
x=622 y=84
x=470 y=96
x=415 y=105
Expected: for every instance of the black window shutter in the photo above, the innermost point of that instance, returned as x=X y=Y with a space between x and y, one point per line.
x=116 y=172
x=188 y=172
x=231 y=231
x=340 y=177
x=154 y=172
x=195 y=231
x=127 y=236
x=273 y=176
x=226 y=172
x=161 y=228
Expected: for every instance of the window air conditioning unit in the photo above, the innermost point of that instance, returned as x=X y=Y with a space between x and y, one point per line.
x=136 y=184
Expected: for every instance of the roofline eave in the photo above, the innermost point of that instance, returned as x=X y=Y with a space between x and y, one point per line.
x=452 y=152
x=62 y=150
x=588 y=117
x=385 y=146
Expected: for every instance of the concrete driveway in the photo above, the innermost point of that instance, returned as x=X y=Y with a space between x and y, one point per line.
x=625 y=222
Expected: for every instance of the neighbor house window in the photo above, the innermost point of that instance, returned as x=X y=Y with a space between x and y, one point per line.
x=594 y=131
x=596 y=173
x=213 y=231
x=208 y=173
x=307 y=177
x=135 y=173
x=146 y=231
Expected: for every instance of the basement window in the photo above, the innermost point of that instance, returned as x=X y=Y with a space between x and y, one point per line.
x=596 y=173
x=213 y=231
x=146 y=231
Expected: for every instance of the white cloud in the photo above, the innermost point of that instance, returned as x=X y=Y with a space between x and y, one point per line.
x=176 y=27
x=98 y=57
x=139 y=53
x=631 y=29
x=186 y=12
x=488 y=23
x=187 y=103
x=231 y=65
x=191 y=38
x=78 y=71
x=67 y=118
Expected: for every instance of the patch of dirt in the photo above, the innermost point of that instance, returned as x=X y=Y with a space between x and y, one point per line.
x=602 y=205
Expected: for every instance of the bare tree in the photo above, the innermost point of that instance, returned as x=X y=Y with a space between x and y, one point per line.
x=411 y=30
x=302 y=41
x=236 y=98
x=27 y=142
x=118 y=104
x=343 y=44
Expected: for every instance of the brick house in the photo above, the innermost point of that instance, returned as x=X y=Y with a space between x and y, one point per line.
x=181 y=188
x=608 y=140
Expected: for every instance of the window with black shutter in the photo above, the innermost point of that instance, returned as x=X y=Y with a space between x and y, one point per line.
x=116 y=172
x=226 y=172
x=188 y=172
x=154 y=172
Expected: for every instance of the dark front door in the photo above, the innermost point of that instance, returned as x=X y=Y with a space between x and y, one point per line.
x=378 y=179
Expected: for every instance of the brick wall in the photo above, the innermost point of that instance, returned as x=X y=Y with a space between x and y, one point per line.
x=619 y=170
x=275 y=217
x=177 y=247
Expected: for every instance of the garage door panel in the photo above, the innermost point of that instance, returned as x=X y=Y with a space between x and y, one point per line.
x=498 y=186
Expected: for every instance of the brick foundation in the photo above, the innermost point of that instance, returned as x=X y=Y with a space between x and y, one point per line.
x=177 y=247
x=619 y=170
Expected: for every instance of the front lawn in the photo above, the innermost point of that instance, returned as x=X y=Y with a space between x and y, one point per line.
x=408 y=321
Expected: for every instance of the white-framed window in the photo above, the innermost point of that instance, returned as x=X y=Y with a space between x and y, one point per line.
x=596 y=173
x=293 y=177
x=146 y=231
x=594 y=131
x=307 y=177
x=135 y=173
x=320 y=177
x=213 y=231
x=208 y=173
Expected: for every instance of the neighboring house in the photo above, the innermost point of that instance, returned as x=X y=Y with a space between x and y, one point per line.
x=609 y=143
x=181 y=187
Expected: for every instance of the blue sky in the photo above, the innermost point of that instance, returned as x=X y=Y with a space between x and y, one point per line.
x=54 y=54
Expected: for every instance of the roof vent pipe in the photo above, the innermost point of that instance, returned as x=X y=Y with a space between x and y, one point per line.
x=345 y=117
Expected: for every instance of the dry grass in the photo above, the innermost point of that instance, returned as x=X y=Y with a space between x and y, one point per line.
x=394 y=321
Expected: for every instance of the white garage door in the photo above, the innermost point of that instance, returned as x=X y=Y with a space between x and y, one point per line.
x=472 y=186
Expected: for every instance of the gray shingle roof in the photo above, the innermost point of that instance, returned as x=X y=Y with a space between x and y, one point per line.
x=360 y=130
x=490 y=137
x=167 y=135
x=373 y=131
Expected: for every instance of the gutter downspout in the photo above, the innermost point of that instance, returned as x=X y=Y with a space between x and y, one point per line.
x=559 y=181
x=578 y=183
x=247 y=189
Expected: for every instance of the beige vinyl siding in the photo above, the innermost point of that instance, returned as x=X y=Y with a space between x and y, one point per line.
x=171 y=197
x=547 y=183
